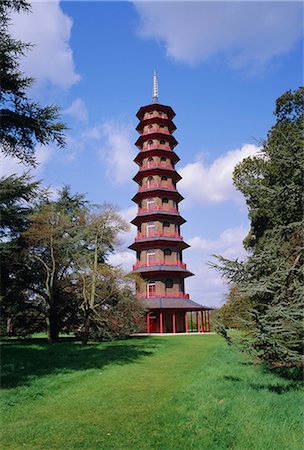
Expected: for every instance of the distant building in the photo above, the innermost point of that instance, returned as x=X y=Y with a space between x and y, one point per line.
x=159 y=244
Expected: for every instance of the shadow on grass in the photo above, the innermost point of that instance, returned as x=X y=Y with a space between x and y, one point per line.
x=24 y=360
x=281 y=386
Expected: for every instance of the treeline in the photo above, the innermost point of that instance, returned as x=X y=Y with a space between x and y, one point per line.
x=54 y=270
x=267 y=290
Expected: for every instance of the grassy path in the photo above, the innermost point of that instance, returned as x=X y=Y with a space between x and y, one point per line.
x=168 y=393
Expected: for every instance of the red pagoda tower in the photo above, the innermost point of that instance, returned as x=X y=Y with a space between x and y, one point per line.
x=159 y=244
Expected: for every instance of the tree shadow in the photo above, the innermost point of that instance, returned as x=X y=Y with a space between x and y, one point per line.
x=25 y=360
x=287 y=380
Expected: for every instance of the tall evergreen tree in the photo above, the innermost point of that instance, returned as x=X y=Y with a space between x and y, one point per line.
x=24 y=123
x=272 y=277
x=17 y=195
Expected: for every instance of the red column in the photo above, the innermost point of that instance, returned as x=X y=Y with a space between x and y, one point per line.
x=148 y=322
x=203 y=322
x=208 y=315
x=186 y=322
x=161 y=322
x=174 y=323
x=198 y=322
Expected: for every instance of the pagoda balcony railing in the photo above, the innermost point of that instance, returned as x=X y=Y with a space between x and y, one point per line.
x=156 y=185
x=153 y=234
x=164 y=295
x=156 y=146
x=155 y=130
x=159 y=263
x=160 y=116
x=157 y=208
x=158 y=165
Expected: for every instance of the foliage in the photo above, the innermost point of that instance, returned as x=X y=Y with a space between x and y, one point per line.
x=272 y=276
x=20 y=315
x=235 y=312
x=101 y=286
x=52 y=238
x=117 y=313
x=24 y=123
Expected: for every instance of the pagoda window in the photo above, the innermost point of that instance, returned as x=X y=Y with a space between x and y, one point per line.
x=151 y=288
x=162 y=142
x=150 y=181
x=163 y=159
x=151 y=257
x=150 y=204
x=166 y=225
x=150 y=161
x=150 y=228
x=167 y=252
x=150 y=142
x=169 y=284
x=165 y=201
x=164 y=178
x=162 y=126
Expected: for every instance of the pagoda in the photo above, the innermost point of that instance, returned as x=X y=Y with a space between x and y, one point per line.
x=159 y=245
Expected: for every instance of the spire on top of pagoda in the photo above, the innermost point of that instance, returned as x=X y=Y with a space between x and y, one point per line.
x=155 y=89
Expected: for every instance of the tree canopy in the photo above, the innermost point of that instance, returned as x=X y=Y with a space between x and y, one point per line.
x=24 y=122
x=272 y=276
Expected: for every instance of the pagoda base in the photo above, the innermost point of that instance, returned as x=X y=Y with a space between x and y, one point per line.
x=167 y=320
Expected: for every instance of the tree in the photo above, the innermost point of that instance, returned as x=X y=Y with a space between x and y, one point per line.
x=115 y=312
x=17 y=196
x=99 y=236
x=53 y=242
x=272 y=276
x=235 y=312
x=24 y=123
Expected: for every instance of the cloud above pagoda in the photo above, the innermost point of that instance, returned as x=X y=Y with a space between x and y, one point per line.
x=212 y=183
x=242 y=33
x=49 y=30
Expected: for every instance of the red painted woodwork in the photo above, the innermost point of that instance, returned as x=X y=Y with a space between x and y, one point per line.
x=156 y=146
x=157 y=186
x=155 y=130
x=158 y=208
x=158 y=141
x=156 y=234
x=157 y=165
x=163 y=294
x=159 y=263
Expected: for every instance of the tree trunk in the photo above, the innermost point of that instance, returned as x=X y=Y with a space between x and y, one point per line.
x=52 y=326
x=9 y=326
x=87 y=322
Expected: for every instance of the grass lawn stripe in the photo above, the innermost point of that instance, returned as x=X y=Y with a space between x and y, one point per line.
x=186 y=392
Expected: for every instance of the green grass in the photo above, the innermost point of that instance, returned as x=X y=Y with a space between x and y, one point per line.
x=162 y=393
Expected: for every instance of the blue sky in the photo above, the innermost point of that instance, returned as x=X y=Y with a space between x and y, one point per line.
x=220 y=65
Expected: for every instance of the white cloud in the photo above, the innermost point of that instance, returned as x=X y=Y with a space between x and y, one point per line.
x=207 y=286
x=213 y=183
x=10 y=165
x=125 y=259
x=245 y=32
x=229 y=243
x=78 y=110
x=117 y=151
x=49 y=29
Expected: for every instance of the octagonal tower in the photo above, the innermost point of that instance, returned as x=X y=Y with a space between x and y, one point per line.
x=159 y=245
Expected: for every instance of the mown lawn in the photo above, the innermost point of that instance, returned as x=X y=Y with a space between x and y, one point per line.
x=162 y=393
